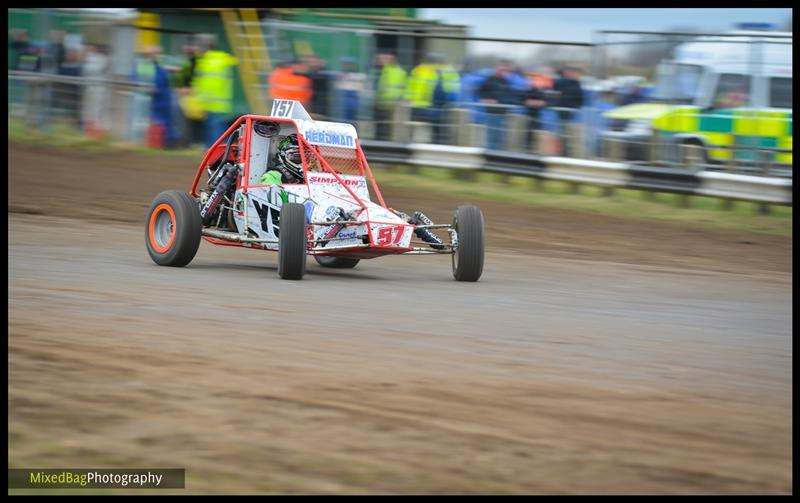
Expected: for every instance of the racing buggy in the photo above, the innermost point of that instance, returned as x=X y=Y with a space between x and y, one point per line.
x=291 y=184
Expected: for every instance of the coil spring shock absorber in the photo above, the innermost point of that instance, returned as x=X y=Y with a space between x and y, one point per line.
x=226 y=182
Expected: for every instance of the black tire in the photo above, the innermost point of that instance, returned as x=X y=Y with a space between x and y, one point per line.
x=292 y=241
x=337 y=262
x=693 y=155
x=468 y=256
x=173 y=228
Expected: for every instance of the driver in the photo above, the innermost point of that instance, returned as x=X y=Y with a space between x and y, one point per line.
x=287 y=166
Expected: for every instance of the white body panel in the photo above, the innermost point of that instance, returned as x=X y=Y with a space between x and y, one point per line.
x=323 y=198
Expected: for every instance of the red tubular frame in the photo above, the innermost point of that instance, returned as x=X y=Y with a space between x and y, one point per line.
x=365 y=168
x=193 y=189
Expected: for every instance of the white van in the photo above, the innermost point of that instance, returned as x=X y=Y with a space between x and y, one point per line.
x=730 y=92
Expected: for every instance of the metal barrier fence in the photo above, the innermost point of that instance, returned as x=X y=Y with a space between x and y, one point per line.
x=767 y=190
x=96 y=106
x=121 y=109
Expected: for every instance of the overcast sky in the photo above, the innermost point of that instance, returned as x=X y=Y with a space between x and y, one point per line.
x=577 y=24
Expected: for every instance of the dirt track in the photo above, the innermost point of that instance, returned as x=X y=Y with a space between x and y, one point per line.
x=610 y=356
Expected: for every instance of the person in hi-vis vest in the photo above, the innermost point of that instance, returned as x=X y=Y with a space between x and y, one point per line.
x=391 y=87
x=213 y=86
x=430 y=88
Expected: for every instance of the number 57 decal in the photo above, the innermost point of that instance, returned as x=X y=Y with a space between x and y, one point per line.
x=282 y=108
x=390 y=235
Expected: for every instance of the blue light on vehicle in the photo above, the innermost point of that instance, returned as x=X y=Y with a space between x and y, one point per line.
x=756 y=26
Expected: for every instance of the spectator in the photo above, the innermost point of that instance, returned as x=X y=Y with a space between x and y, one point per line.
x=161 y=99
x=445 y=92
x=610 y=96
x=22 y=57
x=519 y=82
x=50 y=56
x=606 y=99
x=144 y=72
x=33 y=92
x=69 y=94
x=95 y=94
x=20 y=47
x=213 y=83
x=496 y=94
x=60 y=95
x=570 y=96
x=290 y=82
x=321 y=82
x=391 y=86
x=548 y=117
x=471 y=79
x=631 y=93
x=542 y=78
x=350 y=85
x=31 y=59
x=185 y=74
x=569 y=88
x=432 y=85
x=55 y=53
x=534 y=101
x=190 y=110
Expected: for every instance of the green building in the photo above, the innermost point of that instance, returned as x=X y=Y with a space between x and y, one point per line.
x=259 y=38
x=264 y=38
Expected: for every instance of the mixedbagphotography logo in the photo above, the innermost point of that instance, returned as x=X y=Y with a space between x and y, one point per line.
x=100 y=478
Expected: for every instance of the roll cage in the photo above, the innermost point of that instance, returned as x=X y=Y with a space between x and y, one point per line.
x=311 y=156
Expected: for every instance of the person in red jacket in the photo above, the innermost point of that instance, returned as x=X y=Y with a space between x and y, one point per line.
x=288 y=82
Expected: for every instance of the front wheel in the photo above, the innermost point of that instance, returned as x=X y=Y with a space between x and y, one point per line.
x=293 y=242
x=468 y=255
x=173 y=229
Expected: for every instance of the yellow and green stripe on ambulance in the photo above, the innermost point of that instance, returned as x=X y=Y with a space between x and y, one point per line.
x=739 y=133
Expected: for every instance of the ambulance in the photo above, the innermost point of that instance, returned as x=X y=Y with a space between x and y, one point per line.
x=728 y=97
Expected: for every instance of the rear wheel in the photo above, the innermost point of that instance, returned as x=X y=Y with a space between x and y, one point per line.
x=336 y=262
x=468 y=255
x=292 y=242
x=173 y=229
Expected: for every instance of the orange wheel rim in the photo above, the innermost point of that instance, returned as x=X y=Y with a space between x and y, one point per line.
x=161 y=228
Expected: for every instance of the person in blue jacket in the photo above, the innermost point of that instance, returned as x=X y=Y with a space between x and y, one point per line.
x=161 y=101
x=498 y=96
